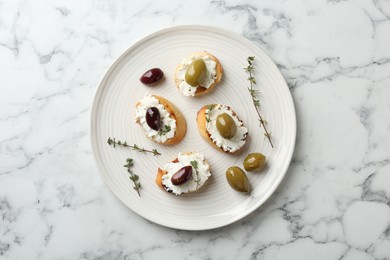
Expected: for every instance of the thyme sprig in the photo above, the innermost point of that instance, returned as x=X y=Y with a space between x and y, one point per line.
x=256 y=102
x=114 y=143
x=164 y=130
x=195 y=165
x=209 y=108
x=132 y=176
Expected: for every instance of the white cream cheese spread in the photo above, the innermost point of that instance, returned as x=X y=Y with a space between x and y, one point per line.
x=168 y=124
x=198 y=178
x=208 y=79
x=229 y=145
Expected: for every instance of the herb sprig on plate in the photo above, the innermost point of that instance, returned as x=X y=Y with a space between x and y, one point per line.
x=164 y=130
x=132 y=176
x=256 y=102
x=195 y=165
x=209 y=108
x=114 y=143
x=129 y=161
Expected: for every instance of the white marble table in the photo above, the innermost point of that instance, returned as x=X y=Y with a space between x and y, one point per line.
x=334 y=201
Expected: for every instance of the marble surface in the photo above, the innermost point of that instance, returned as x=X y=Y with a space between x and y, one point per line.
x=334 y=202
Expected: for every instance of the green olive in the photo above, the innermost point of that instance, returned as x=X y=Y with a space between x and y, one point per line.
x=226 y=126
x=195 y=72
x=237 y=179
x=254 y=161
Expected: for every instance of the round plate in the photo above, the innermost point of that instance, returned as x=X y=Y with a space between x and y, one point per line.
x=112 y=115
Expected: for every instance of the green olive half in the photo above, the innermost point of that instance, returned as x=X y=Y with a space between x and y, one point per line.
x=195 y=72
x=237 y=179
x=254 y=161
x=226 y=126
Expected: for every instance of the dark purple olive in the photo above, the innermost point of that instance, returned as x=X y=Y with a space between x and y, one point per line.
x=152 y=76
x=153 y=118
x=182 y=176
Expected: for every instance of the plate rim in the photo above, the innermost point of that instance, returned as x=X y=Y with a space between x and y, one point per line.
x=116 y=61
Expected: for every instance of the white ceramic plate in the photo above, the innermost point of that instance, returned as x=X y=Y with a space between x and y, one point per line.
x=113 y=116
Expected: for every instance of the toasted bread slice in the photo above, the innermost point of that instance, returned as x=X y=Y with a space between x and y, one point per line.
x=174 y=113
x=200 y=90
x=201 y=120
x=161 y=173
